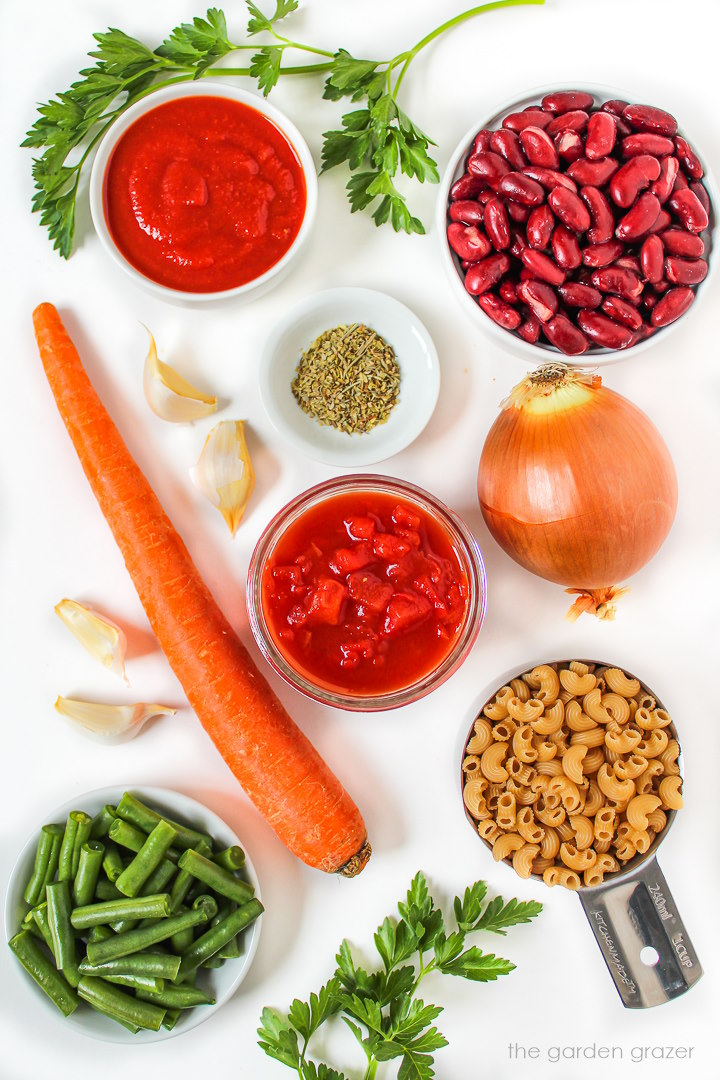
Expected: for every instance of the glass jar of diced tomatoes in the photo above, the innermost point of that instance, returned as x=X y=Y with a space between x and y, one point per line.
x=366 y=592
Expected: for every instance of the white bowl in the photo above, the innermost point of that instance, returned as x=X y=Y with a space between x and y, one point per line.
x=543 y=351
x=415 y=353
x=222 y=981
x=259 y=284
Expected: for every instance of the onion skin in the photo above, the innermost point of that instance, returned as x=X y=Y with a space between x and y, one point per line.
x=576 y=484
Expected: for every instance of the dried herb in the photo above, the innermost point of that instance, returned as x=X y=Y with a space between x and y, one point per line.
x=348 y=378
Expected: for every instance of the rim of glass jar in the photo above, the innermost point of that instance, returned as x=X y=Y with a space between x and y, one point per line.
x=463 y=539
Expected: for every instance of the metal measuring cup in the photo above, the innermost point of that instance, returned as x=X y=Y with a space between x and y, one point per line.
x=633 y=916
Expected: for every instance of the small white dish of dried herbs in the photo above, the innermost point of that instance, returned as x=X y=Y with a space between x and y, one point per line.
x=349 y=377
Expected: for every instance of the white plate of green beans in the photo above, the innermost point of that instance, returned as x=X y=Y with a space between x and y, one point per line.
x=133 y=914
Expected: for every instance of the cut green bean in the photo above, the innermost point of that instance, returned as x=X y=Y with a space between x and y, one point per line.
x=100 y=933
x=177 y=997
x=137 y=982
x=61 y=931
x=147 y=860
x=231 y=858
x=156 y=883
x=41 y=968
x=105 y=890
x=119 y=1004
x=102 y=822
x=113 y=864
x=132 y=1028
x=182 y=941
x=215 y=877
x=39 y=916
x=88 y=872
x=231 y=951
x=184 y=881
x=156 y=965
x=126 y=835
x=66 y=848
x=107 y=911
x=217 y=936
x=171 y=1018
x=132 y=810
x=47 y=855
x=82 y=835
x=135 y=940
x=215 y=961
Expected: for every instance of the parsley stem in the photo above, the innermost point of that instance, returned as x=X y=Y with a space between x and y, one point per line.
x=299 y=69
x=288 y=44
x=371 y=1069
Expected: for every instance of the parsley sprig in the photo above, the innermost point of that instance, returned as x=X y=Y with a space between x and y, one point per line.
x=380 y=1007
x=376 y=140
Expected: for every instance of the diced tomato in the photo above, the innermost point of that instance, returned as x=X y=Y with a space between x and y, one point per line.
x=404 y=611
x=290 y=576
x=346 y=560
x=354 y=651
x=360 y=528
x=369 y=590
x=297 y=615
x=410 y=536
x=387 y=546
x=427 y=589
x=401 y=515
x=324 y=604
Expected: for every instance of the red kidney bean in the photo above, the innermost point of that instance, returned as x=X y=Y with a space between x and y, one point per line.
x=575 y=294
x=539 y=148
x=529 y=330
x=467 y=241
x=604 y=331
x=638 y=219
x=602 y=221
x=565 y=248
x=542 y=267
x=549 y=178
x=483 y=275
x=485 y=196
x=614 y=105
x=467 y=187
x=645 y=143
x=517 y=245
x=569 y=121
x=661 y=222
x=630 y=262
x=517 y=212
x=632 y=178
x=661 y=287
x=468 y=211
x=592 y=173
x=598 y=255
x=569 y=145
x=565 y=336
x=621 y=311
x=665 y=183
x=679 y=242
x=570 y=209
x=540 y=298
x=500 y=312
x=508 y=291
x=532 y=117
x=482 y=141
x=521 y=188
x=488 y=166
x=497 y=225
x=651 y=259
x=649 y=299
x=649 y=118
x=702 y=195
x=507 y=143
x=686 y=205
x=617 y=279
x=540 y=226
x=671 y=306
x=601 y=135
x=685 y=271
x=680 y=181
x=562 y=101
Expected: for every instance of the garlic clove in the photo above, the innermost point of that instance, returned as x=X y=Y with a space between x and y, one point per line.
x=109 y=721
x=224 y=471
x=169 y=395
x=102 y=638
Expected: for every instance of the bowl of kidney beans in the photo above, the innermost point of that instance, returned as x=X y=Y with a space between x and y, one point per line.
x=578 y=223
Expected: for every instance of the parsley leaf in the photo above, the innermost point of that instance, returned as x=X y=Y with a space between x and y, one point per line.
x=477 y=966
x=260 y=22
x=278 y=1039
x=265 y=67
x=498 y=916
x=198 y=44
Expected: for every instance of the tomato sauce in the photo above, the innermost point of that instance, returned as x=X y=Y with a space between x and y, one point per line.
x=203 y=194
x=365 y=593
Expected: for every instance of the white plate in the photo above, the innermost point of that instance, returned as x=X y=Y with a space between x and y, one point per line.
x=415 y=353
x=221 y=981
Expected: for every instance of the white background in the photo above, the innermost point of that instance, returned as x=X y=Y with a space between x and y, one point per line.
x=400 y=767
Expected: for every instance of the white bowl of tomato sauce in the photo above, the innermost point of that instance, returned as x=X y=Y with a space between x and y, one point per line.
x=366 y=592
x=203 y=192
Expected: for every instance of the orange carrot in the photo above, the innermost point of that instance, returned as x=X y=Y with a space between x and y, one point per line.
x=278 y=767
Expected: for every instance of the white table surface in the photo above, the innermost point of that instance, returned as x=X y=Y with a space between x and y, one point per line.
x=400 y=767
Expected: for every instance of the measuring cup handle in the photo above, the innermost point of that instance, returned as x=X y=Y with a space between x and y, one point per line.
x=635 y=914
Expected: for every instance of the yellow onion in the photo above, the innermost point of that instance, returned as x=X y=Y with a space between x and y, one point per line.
x=576 y=484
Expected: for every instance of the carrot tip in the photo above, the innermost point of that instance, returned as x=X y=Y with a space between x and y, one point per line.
x=357 y=863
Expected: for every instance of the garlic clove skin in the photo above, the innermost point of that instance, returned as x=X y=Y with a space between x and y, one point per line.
x=224 y=472
x=109 y=722
x=102 y=638
x=169 y=395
